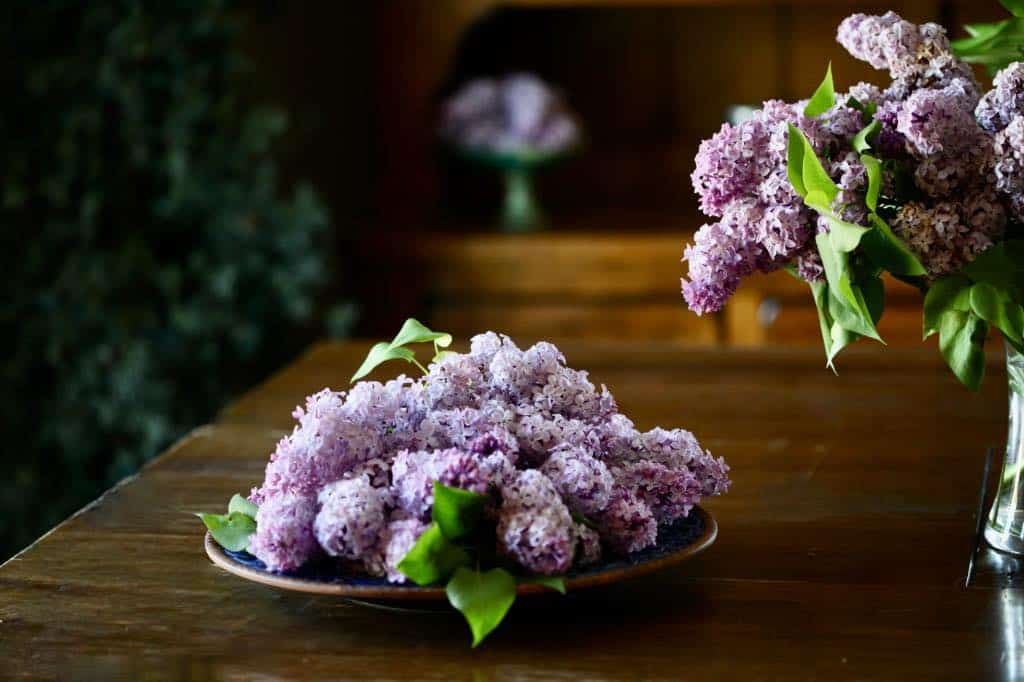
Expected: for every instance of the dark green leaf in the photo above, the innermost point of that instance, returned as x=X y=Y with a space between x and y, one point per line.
x=961 y=340
x=1014 y=7
x=381 y=353
x=862 y=141
x=945 y=294
x=996 y=308
x=415 y=332
x=433 y=558
x=824 y=98
x=242 y=506
x=554 y=582
x=231 y=531
x=483 y=598
x=888 y=251
x=457 y=512
x=1002 y=266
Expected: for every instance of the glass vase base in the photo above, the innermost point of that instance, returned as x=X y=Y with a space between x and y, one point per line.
x=1004 y=542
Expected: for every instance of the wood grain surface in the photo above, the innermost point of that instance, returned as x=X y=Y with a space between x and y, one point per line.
x=841 y=551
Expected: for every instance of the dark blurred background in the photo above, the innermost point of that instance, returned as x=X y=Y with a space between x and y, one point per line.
x=194 y=190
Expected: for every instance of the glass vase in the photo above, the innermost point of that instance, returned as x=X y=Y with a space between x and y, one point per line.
x=521 y=212
x=1005 y=527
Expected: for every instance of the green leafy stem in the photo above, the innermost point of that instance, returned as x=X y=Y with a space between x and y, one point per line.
x=997 y=44
x=411 y=332
x=452 y=551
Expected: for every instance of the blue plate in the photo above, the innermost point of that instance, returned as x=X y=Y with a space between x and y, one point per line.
x=676 y=542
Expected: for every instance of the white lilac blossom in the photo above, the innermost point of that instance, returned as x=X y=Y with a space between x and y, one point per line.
x=934 y=127
x=355 y=479
x=513 y=114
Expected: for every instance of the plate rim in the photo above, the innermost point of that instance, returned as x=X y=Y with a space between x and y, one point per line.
x=387 y=592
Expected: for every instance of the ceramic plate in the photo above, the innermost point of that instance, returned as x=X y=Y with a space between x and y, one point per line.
x=676 y=542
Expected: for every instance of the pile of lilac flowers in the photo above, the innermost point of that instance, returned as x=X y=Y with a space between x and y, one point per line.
x=951 y=159
x=567 y=476
x=514 y=114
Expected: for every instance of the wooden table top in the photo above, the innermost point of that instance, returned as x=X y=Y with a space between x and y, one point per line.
x=842 y=547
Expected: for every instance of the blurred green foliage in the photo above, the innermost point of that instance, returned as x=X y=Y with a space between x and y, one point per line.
x=151 y=267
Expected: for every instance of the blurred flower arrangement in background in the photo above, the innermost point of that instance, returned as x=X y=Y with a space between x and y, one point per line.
x=516 y=124
x=920 y=179
x=152 y=265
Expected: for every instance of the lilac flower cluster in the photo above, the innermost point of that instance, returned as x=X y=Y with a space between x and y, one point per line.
x=513 y=114
x=354 y=480
x=962 y=150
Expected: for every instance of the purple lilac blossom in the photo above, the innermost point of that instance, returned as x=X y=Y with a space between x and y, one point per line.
x=284 y=537
x=627 y=524
x=513 y=114
x=534 y=525
x=1005 y=101
x=584 y=482
x=351 y=519
x=372 y=456
x=401 y=535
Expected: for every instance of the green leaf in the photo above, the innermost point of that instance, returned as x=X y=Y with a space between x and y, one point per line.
x=1014 y=7
x=816 y=179
x=415 y=332
x=231 y=531
x=819 y=290
x=795 y=160
x=945 y=294
x=845 y=236
x=861 y=141
x=457 y=512
x=433 y=558
x=483 y=598
x=242 y=506
x=379 y=354
x=888 y=251
x=554 y=582
x=874 y=171
x=443 y=354
x=849 y=309
x=961 y=341
x=1002 y=266
x=824 y=98
x=996 y=308
x=841 y=338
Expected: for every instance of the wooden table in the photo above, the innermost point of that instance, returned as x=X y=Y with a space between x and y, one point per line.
x=842 y=549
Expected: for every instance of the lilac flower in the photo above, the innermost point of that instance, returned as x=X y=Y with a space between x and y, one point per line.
x=947 y=235
x=401 y=535
x=284 y=537
x=1005 y=101
x=627 y=525
x=534 y=525
x=940 y=120
x=584 y=482
x=512 y=114
x=413 y=475
x=326 y=443
x=670 y=493
x=1008 y=153
x=351 y=519
x=679 y=450
x=453 y=382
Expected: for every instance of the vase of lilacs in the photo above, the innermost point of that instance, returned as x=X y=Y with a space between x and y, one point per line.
x=517 y=125
x=920 y=178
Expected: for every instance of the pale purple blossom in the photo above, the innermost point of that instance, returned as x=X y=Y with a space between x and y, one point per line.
x=352 y=518
x=1005 y=101
x=284 y=538
x=627 y=524
x=400 y=536
x=583 y=481
x=534 y=525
